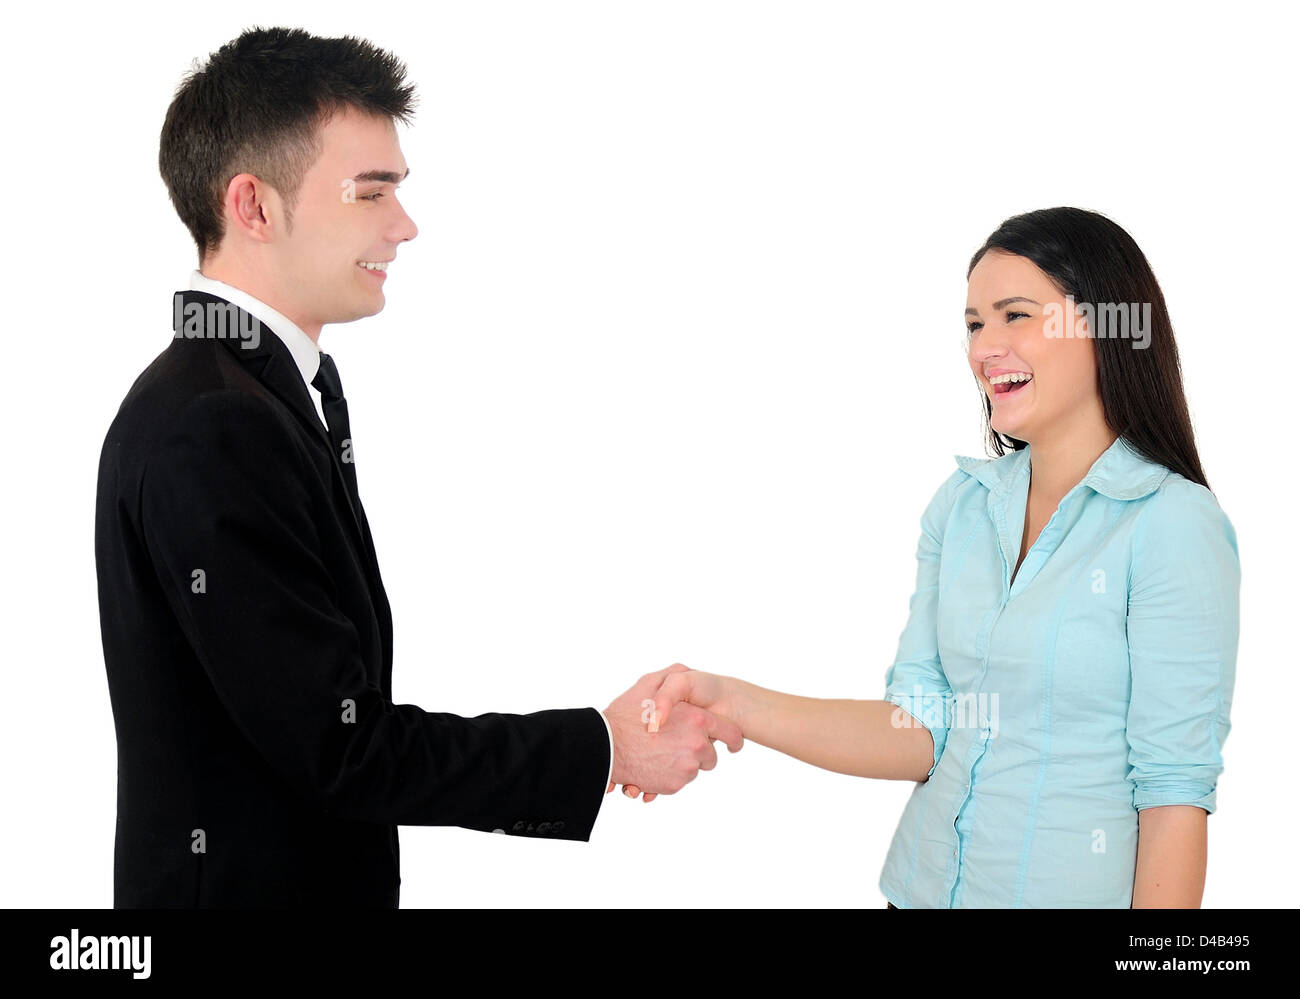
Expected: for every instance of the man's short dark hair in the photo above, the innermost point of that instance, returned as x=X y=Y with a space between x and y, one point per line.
x=256 y=106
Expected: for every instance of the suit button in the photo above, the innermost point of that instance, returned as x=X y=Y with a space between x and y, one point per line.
x=544 y=828
x=519 y=826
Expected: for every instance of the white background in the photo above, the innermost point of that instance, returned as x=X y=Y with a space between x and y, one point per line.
x=669 y=374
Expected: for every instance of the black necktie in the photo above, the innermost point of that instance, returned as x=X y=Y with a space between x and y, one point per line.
x=336 y=418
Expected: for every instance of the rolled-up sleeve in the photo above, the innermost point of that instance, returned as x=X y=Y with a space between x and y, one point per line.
x=1182 y=636
x=916 y=681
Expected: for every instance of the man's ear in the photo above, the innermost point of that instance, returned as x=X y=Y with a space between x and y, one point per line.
x=252 y=208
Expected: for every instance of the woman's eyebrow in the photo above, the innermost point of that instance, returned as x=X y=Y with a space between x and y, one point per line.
x=1003 y=302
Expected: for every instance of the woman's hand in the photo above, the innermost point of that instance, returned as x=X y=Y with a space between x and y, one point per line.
x=720 y=695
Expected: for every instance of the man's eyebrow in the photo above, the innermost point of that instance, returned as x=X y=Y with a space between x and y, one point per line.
x=384 y=176
x=1004 y=302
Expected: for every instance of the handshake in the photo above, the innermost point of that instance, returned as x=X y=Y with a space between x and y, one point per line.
x=664 y=728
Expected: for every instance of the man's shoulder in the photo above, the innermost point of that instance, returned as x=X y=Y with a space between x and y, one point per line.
x=186 y=381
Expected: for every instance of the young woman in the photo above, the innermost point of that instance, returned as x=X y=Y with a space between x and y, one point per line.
x=1062 y=688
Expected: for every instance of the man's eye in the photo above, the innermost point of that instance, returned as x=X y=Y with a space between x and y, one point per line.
x=373 y=197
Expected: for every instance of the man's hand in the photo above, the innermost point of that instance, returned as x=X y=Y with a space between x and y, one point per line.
x=663 y=758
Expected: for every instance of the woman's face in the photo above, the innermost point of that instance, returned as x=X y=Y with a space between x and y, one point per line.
x=1008 y=303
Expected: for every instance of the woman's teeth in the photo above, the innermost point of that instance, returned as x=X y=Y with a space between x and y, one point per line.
x=1003 y=384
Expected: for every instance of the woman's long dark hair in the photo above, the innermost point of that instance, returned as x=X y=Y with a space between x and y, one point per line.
x=1093 y=260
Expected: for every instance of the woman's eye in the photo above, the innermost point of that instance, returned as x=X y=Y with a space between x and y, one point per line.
x=971 y=328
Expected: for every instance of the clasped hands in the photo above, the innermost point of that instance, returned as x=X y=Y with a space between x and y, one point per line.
x=664 y=728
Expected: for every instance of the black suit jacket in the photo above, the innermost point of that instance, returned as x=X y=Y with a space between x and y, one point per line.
x=249 y=649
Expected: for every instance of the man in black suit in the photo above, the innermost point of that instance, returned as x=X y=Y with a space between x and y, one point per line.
x=247 y=636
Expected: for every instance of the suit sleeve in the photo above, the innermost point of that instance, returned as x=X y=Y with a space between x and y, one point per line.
x=916 y=681
x=227 y=515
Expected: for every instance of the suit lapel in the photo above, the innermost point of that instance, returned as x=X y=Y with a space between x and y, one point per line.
x=270 y=363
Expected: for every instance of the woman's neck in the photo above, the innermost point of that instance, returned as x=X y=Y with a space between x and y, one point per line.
x=1058 y=464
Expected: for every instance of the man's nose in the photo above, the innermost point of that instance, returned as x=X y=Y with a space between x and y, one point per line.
x=407 y=229
x=413 y=229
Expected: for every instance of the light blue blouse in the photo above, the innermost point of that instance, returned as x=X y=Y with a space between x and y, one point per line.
x=1096 y=685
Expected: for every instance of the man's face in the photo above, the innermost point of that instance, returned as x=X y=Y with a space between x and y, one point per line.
x=347 y=213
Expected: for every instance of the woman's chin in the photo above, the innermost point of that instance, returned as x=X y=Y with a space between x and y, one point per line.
x=1008 y=428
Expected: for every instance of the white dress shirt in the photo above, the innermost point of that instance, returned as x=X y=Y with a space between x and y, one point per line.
x=306 y=355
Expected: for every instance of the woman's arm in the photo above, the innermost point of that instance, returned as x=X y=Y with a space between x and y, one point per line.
x=860 y=738
x=1171 y=858
x=1183 y=625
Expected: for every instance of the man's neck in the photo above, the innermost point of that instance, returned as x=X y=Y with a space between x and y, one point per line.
x=249 y=283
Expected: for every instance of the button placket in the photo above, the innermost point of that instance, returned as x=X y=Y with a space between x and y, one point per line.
x=997 y=511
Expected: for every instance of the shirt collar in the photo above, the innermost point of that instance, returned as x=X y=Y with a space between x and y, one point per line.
x=305 y=352
x=1119 y=472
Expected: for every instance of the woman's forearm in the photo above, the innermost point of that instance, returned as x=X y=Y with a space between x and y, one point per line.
x=1171 y=857
x=849 y=737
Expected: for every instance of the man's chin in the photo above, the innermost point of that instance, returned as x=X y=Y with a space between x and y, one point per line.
x=359 y=311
